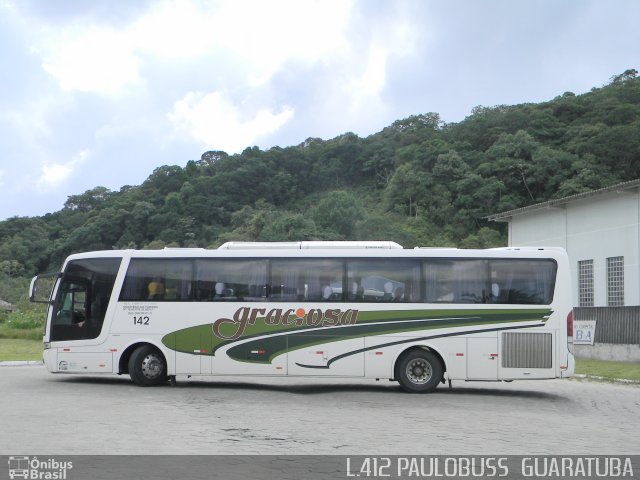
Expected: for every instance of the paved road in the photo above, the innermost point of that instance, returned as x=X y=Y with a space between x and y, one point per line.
x=50 y=414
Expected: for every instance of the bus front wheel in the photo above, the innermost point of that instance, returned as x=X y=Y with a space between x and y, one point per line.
x=147 y=366
x=418 y=371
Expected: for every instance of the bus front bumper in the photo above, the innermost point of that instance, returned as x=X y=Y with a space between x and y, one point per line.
x=50 y=356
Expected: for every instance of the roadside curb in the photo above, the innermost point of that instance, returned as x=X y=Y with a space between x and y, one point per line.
x=622 y=381
x=21 y=363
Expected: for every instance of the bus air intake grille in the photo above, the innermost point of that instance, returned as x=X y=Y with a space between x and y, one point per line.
x=527 y=350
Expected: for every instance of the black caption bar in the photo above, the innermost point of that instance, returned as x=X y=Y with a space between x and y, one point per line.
x=312 y=467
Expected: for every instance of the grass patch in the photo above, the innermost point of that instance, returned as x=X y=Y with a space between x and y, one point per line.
x=20 y=349
x=25 y=325
x=8 y=331
x=608 y=369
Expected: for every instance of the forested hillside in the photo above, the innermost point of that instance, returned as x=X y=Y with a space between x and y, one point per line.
x=418 y=182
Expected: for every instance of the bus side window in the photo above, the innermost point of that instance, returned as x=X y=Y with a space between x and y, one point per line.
x=524 y=281
x=158 y=279
x=306 y=280
x=384 y=280
x=457 y=281
x=228 y=280
x=439 y=281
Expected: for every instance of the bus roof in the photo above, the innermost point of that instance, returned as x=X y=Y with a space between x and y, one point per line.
x=308 y=245
x=327 y=249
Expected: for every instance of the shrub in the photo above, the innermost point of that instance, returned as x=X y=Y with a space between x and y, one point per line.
x=25 y=320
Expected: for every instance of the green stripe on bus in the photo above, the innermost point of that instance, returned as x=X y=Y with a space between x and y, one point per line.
x=201 y=340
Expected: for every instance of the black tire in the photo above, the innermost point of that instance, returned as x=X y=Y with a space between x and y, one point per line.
x=147 y=366
x=418 y=371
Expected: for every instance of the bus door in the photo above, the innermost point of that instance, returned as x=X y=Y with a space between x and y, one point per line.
x=78 y=315
x=198 y=359
x=188 y=363
x=482 y=357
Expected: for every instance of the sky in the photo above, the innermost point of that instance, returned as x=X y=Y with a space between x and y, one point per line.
x=101 y=93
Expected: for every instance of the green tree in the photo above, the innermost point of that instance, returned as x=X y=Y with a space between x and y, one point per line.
x=338 y=211
x=89 y=200
x=288 y=226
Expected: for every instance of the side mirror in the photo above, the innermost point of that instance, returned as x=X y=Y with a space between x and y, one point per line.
x=41 y=287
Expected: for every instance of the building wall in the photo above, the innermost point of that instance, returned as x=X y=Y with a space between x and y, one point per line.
x=593 y=228
x=543 y=228
x=617 y=333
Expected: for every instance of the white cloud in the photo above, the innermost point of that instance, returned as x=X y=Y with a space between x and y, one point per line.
x=280 y=31
x=260 y=36
x=93 y=60
x=218 y=124
x=373 y=78
x=174 y=30
x=53 y=175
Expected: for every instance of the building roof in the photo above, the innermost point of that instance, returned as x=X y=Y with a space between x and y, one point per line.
x=619 y=187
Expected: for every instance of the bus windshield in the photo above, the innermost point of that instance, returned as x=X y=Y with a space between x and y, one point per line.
x=82 y=299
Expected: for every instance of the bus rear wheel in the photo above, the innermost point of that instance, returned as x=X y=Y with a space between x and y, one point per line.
x=147 y=366
x=419 y=371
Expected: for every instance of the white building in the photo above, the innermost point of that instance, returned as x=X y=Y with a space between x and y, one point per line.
x=600 y=231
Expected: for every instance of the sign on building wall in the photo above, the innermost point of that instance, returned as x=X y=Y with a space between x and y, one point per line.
x=584 y=331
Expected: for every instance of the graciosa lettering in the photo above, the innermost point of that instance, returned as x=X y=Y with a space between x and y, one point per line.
x=299 y=317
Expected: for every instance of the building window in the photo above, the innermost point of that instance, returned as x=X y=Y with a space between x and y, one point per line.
x=615 y=281
x=585 y=283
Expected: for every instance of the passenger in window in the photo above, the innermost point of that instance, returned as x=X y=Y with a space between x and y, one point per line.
x=398 y=295
x=495 y=293
x=327 y=292
x=203 y=290
x=302 y=292
x=388 y=289
x=156 y=289
x=78 y=318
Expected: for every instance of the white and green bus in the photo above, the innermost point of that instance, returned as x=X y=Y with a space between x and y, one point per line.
x=333 y=309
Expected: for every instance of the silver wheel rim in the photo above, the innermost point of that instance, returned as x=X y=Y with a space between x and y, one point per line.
x=418 y=371
x=152 y=366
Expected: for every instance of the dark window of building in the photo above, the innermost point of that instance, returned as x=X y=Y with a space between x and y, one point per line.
x=585 y=283
x=615 y=281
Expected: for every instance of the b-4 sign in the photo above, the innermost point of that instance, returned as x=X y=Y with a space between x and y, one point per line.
x=584 y=331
